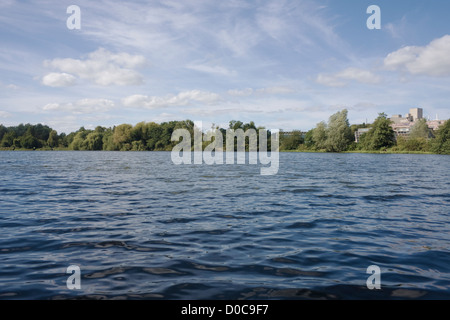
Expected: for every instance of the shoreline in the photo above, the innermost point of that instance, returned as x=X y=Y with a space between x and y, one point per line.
x=281 y=151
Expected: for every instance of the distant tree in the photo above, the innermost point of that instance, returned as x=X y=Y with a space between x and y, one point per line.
x=154 y=132
x=3 y=130
x=380 y=136
x=441 y=144
x=165 y=143
x=339 y=134
x=17 y=143
x=93 y=141
x=53 y=138
x=309 y=140
x=122 y=137
x=78 y=140
x=28 y=141
x=420 y=130
x=319 y=136
x=234 y=125
x=291 y=142
x=8 y=139
x=108 y=142
x=412 y=144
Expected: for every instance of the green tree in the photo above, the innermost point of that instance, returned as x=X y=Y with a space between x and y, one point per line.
x=28 y=141
x=319 y=136
x=93 y=141
x=108 y=142
x=291 y=142
x=52 y=141
x=380 y=136
x=78 y=140
x=3 y=130
x=122 y=137
x=309 y=140
x=339 y=134
x=441 y=144
x=8 y=139
x=420 y=130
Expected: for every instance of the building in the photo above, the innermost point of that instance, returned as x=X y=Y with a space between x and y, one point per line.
x=402 y=125
x=413 y=115
x=360 y=132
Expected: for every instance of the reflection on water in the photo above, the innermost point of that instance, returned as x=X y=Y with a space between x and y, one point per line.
x=140 y=227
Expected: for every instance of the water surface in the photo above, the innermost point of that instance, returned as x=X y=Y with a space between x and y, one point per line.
x=140 y=227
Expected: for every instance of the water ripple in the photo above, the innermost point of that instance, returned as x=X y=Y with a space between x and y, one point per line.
x=140 y=227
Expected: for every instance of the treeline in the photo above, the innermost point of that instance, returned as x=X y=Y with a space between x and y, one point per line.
x=337 y=135
x=144 y=136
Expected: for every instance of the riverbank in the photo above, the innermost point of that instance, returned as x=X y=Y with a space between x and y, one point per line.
x=303 y=151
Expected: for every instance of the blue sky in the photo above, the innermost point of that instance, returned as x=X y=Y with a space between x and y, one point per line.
x=283 y=64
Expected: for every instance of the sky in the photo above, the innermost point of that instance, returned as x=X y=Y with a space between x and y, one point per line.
x=282 y=64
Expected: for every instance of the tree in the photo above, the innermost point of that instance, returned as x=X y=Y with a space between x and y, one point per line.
x=154 y=132
x=319 y=136
x=3 y=130
x=339 y=134
x=78 y=140
x=93 y=141
x=52 y=139
x=8 y=139
x=108 y=143
x=291 y=142
x=441 y=143
x=28 y=141
x=380 y=136
x=420 y=130
x=309 y=140
x=122 y=137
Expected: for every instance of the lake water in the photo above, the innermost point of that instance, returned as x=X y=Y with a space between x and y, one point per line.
x=140 y=227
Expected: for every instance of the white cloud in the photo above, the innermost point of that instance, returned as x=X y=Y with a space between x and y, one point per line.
x=329 y=81
x=241 y=93
x=275 y=90
x=10 y=86
x=4 y=114
x=341 y=78
x=212 y=69
x=182 y=99
x=261 y=91
x=58 y=80
x=82 y=106
x=431 y=60
x=100 y=67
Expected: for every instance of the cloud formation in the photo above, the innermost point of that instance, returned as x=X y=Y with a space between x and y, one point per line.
x=341 y=79
x=261 y=91
x=101 y=67
x=83 y=106
x=430 y=60
x=182 y=99
x=58 y=80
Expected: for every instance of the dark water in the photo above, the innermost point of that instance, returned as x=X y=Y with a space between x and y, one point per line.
x=140 y=227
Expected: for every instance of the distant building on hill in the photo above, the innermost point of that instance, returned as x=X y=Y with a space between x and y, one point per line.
x=359 y=133
x=402 y=125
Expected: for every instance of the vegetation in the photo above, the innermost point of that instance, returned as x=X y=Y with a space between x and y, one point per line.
x=143 y=136
x=441 y=144
x=336 y=135
x=380 y=136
